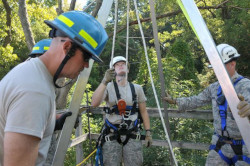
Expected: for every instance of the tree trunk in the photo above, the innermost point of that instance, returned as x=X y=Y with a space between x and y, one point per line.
x=59 y=9
x=7 y=39
x=97 y=8
x=72 y=5
x=25 y=24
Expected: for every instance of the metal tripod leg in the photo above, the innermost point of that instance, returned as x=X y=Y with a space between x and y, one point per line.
x=74 y=107
x=196 y=21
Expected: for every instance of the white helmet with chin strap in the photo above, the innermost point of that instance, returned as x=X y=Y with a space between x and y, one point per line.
x=117 y=59
x=227 y=53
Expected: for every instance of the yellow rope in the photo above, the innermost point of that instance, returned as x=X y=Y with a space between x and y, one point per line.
x=87 y=158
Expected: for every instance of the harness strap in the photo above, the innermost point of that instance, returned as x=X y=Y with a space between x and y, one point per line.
x=99 y=157
x=246 y=159
x=226 y=159
x=120 y=131
x=132 y=87
x=129 y=110
x=223 y=107
x=117 y=91
x=236 y=146
x=118 y=138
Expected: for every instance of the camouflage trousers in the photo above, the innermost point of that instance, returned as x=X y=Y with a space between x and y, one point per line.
x=114 y=153
x=214 y=159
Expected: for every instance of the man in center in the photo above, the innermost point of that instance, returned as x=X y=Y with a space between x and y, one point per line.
x=126 y=110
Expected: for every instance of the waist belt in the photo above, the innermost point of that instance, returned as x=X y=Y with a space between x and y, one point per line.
x=129 y=110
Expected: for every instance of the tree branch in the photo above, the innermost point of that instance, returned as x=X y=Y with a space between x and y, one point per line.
x=97 y=8
x=59 y=9
x=23 y=15
x=7 y=39
x=72 y=5
x=171 y=14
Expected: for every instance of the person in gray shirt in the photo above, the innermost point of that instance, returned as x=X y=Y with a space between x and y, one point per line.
x=27 y=92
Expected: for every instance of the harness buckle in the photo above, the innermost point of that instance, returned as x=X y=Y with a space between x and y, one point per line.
x=138 y=136
x=107 y=138
x=127 y=113
x=221 y=100
x=124 y=125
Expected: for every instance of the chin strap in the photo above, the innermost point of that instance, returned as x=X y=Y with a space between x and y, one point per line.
x=58 y=71
x=70 y=54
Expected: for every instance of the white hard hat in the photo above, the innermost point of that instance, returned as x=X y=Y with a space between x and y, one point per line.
x=227 y=53
x=117 y=59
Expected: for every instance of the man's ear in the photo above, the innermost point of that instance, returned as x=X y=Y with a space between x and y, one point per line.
x=66 y=46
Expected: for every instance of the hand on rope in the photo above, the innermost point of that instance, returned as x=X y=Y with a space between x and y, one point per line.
x=109 y=76
x=148 y=138
x=60 y=121
x=169 y=98
x=243 y=107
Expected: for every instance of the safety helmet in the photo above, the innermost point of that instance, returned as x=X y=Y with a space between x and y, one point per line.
x=117 y=59
x=40 y=47
x=83 y=29
x=227 y=53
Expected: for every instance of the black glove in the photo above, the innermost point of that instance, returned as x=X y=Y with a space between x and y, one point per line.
x=60 y=121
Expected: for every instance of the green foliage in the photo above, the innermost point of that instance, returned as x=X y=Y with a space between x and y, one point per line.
x=184 y=62
x=7 y=60
x=181 y=51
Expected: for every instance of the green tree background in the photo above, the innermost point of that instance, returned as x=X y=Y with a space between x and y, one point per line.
x=183 y=58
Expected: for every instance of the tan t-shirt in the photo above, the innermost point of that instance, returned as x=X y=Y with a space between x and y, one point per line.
x=27 y=105
x=126 y=94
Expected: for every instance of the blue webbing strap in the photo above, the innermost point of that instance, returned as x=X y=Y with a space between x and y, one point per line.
x=223 y=107
x=99 y=157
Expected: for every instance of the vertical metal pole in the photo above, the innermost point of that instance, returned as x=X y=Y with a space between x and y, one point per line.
x=81 y=83
x=162 y=81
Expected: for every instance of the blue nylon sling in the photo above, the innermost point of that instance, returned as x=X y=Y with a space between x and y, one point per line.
x=223 y=107
x=223 y=115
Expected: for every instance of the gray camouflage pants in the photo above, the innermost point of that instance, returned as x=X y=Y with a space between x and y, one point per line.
x=214 y=159
x=131 y=153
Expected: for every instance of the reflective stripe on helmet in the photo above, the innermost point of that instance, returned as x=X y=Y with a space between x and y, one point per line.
x=46 y=48
x=82 y=32
x=65 y=20
x=88 y=38
x=36 y=48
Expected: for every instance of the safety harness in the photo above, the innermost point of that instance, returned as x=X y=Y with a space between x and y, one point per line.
x=235 y=144
x=124 y=128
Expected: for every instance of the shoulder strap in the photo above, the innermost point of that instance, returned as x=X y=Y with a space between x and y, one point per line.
x=235 y=82
x=223 y=106
x=132 y=87
x=117 y=91
x=238 y=79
